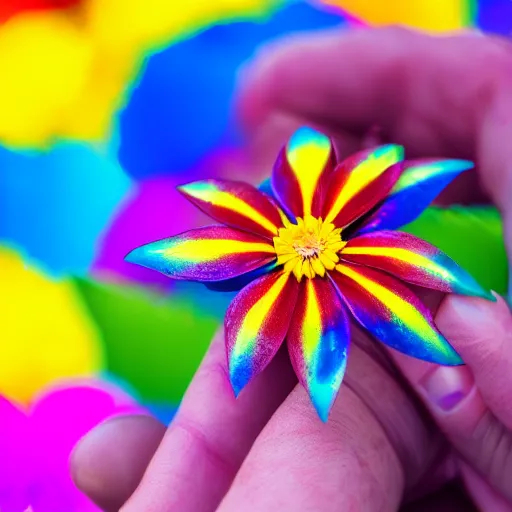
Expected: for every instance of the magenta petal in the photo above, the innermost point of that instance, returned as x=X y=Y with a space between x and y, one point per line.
x=212 y=253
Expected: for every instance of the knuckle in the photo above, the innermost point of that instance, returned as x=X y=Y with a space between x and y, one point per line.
x=208 y=450
x=494 y=454
x=212 y=372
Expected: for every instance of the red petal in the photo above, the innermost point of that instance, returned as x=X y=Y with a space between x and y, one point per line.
x=235 y=204
x=318 y=342
x=412 y=260
x=298 y=171
x=256 y=324
x=392 y=313
x=361 y=182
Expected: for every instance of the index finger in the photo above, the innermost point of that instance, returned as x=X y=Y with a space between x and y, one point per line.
x=210 y=436
x=438 y=96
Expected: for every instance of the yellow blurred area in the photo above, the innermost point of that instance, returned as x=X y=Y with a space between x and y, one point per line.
x=44 y=65
x=117 y=24
x=64 y=74
x=429 y=15
x=45 y=331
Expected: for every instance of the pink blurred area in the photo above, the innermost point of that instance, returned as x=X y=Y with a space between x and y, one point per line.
x=36 y=444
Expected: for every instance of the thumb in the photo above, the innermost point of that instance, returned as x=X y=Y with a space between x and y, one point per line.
x=471 y=403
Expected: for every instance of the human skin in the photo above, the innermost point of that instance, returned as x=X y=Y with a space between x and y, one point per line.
x=400 y=428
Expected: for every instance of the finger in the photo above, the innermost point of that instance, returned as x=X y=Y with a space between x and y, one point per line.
x=109 y=462
x=483 y=495
x=422 y=452
x=471 y=403
x=212 y=431
x=481 y=331
x=347 y=464
x=424 y=92
x=374 y=448
x=210 y=436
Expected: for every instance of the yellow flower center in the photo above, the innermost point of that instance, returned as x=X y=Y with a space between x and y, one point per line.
x=308 y=248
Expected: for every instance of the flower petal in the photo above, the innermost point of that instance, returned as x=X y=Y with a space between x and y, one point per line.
x=266 y=187
x=392 y=313
x=211 y=253
x=235 y=284
x=360 y=182
x=235 y=204
x=420 y=183
x=413 y=260
x=318 y=342
x=298 y=169
x=256 y=324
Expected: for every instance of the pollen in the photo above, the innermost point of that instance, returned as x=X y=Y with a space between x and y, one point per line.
x=308 y=248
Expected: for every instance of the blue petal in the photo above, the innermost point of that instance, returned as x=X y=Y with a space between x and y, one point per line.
x=420 y=183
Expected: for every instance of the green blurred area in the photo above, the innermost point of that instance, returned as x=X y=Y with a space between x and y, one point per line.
x=154 y=343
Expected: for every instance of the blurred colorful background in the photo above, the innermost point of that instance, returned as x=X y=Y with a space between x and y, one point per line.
x=105 y=106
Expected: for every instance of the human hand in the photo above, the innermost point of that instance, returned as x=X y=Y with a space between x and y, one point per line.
x=428 y=94
x=377 y=445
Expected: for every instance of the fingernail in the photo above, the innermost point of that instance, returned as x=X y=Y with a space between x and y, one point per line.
x=447 y=386
x=470 y=307
x=97 y=433
x=459 y=313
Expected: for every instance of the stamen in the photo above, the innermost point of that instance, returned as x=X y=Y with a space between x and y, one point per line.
x=309 y=247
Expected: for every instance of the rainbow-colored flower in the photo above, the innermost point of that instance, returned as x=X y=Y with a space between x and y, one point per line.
x=317 y=246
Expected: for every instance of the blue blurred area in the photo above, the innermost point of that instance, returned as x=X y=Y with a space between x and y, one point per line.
x=495 y=16
x=54 y=206
x=180 y=109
